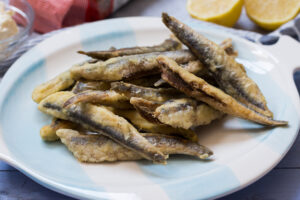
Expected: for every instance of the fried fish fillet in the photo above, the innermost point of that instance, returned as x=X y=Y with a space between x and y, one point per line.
x=101 y=120
x=146 y=108
x=186 y=113
x=59 y=83
x=152 y=94
x=99 y=148
x=167 y=45
x=126 y=67
x=197 y=68
x=143 y=125
x=120 y=93
x=229 y=74
x=108 y=98
x=83 y=85
x=179 y=113
x=199 y=89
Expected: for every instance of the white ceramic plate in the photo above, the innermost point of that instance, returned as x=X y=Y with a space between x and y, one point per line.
x=244 y=151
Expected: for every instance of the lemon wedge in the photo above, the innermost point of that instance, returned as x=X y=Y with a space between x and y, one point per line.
x=270 y=14
x=223 y=12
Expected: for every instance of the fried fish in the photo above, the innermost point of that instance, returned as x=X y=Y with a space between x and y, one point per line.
x=229 y=74
x=197 y=68
x=186 y=113
x=168 y=45
x=199 y=89
x=126 y=67
x=83 y=85
x=179 y=113
x=96 y=148
x=108 y=98
x=144 y=125
x=101 y=120
x=152 y=94
x=59 y=83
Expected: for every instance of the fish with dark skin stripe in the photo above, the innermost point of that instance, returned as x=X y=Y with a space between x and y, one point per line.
x=229 y=74
x=145 y=108
x=167 y=45
x=179 y=113
x=127 y=67
x=142 y=124
x=199 y=89
x=120 y=94
x=186 y=113
x=101 y=120
x=108 y=98
x=82 y=85
x=152 y=94
x=94 y=148
x=197 y=68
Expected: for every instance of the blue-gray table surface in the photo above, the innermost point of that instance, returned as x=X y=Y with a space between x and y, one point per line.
x=283 y=182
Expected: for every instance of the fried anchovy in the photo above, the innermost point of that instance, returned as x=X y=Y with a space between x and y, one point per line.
x=167 y=45
x=179 y=113
x=125 y=67
x=142 y=124
x=59 y=83
x=48 y=132
x=199 y=89
x=152 y=94
x=229 y=74
x=197 y=68
x=99 y=148
x=186 y=113
x=81 y=86
x=145 y=108
x=101 y=120
x=108 y=98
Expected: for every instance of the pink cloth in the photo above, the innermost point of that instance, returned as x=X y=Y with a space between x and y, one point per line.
x=55 y=14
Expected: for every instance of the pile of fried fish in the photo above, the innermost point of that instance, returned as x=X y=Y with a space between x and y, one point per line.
x=145 y=102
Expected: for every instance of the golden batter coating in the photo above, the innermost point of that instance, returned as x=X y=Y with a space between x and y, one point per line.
x=179 y=113
x=59 y=83
x=83 y=85
x=144 y=125
x=152 y=94
x=186 y=113
x=101 y=120
x=126 y=67
x=168 y=45
x=88 y=147
x=108 y=98
x=229 y=74
x=199 y=89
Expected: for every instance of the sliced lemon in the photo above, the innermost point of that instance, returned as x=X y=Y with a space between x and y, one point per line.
x=223 y=12
x=270 y=14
